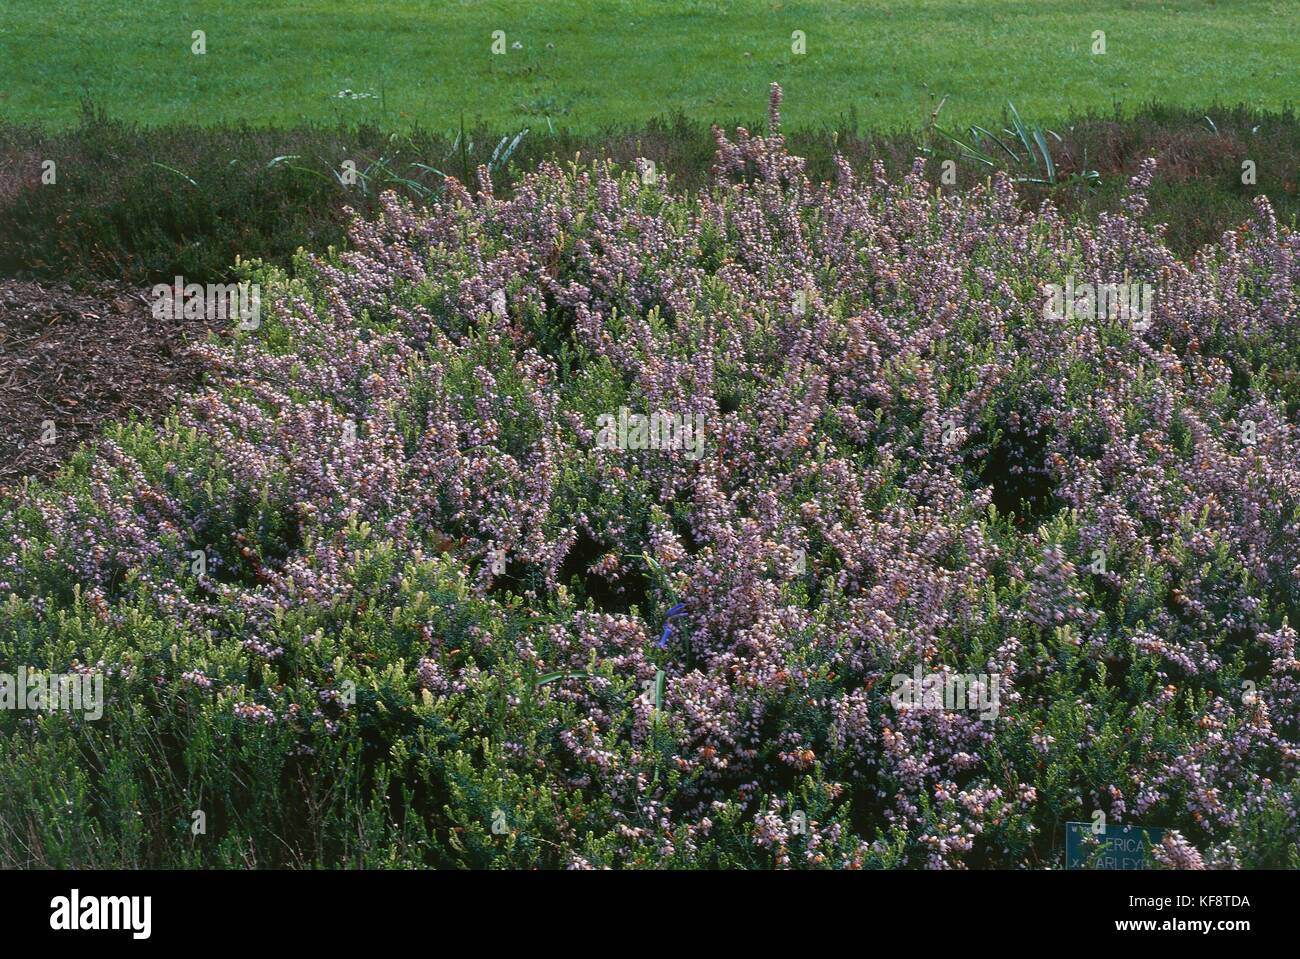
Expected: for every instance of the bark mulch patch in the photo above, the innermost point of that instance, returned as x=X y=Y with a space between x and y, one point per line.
x=81 y=359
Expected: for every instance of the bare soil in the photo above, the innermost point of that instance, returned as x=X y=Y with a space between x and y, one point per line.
x=79 y=359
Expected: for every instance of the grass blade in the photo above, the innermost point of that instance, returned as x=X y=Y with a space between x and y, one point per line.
x=1047 y=156
x=998 y=140
x=554 y=677
x=164 y=166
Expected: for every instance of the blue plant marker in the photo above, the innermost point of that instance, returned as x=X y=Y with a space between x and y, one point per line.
x=678 y=610
x=1118 y=846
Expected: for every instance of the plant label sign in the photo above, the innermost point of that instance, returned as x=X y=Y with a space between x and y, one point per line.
x=1112 y=847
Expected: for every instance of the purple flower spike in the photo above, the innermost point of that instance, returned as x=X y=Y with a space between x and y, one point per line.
x=678 y=610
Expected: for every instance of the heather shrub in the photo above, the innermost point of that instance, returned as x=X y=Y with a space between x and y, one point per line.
x=142 y=204
x=440 y=619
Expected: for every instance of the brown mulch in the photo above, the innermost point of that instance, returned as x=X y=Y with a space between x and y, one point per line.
x=83 y=358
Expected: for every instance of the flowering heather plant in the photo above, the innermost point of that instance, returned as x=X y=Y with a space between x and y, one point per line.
x=431 y=601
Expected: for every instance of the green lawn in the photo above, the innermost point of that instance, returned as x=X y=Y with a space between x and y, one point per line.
x=587 y=65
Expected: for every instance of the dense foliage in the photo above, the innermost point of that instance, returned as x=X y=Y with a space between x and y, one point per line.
x=432 y=603
x=138 y=205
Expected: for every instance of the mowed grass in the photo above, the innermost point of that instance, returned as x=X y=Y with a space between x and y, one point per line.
x=589 y=65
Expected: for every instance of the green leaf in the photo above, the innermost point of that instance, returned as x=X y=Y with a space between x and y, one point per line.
x=553 y=677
